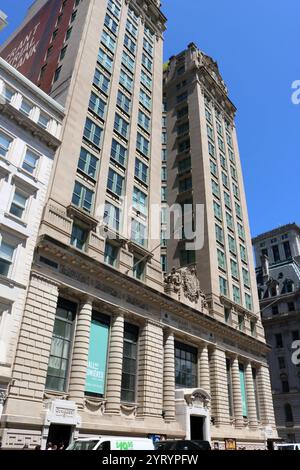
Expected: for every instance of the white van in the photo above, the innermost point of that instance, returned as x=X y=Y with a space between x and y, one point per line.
x=288 y=446
x=108 y=443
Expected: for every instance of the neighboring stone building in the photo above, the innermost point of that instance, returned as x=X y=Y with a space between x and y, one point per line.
x=30 y=128
x=278 y=277
x=107 y=345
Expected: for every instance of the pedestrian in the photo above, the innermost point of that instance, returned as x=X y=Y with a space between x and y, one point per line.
x=49 y=446
x=25 y=447
x=38 y=447
x=54 y=447
x=61 y=446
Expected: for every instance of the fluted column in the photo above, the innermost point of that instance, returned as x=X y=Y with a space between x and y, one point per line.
x=114 y=368
x=80 y=352
x=169 y=377
x=252 y=412
x=218 y=387
x=203 y=369
x=265 y=396
x=237 y=395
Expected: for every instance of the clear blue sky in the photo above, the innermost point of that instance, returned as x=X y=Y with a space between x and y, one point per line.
x=256 y=44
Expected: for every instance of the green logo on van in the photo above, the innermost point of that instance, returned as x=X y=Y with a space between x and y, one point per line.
x=124 y=445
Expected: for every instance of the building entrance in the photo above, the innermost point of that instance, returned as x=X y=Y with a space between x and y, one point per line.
x=197 y=423
x=59 y=434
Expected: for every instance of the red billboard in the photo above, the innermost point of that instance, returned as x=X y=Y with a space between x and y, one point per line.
x=26 y=51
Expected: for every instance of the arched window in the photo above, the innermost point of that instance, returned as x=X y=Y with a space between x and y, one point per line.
x=288 y=413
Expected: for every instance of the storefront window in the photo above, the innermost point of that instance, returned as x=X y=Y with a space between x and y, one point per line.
x=185 y=366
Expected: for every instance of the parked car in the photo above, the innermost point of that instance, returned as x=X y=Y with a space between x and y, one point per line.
x=108 y=443
x=165 y=446
x=288 y=446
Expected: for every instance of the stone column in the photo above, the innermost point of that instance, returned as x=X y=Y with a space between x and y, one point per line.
x=114 y=367
x=218 y=387
x=237 y=395
x=169 y=377
x=203 y=369
x=252 y=412
x=150 y=387
x=265 y=396
x=80 y=352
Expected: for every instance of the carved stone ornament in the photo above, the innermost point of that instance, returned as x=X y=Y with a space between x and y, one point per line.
x=185 y=280
x=198 y=398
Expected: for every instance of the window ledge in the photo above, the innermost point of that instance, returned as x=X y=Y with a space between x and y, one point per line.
x=16 y=219
x=10 y=282
x=75 y=212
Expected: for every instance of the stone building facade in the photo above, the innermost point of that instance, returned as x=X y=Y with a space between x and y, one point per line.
x=278 y=278
x=30 y=128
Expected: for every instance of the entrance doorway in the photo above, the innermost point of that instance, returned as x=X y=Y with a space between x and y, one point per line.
x=59 y=434
x=197 y=423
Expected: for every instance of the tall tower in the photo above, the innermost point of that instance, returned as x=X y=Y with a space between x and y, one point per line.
x=204 y=168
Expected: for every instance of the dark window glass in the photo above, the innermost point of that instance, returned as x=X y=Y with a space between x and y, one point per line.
x=185 y=366
x=129 y=368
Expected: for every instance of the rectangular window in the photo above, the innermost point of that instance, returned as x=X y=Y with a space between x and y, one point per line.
x=231 y=156
x=30 y=162
x=18 y=204
x=238 y=210
x=227 y=200
x=147 y=63
x=219 y=127
x=101 y=81
x=231 y=244
x=233 y=172
x=234 y=269
x=253 y=328
x=185 y=366
x=112 y=216
x=276 y=254
x=211 y=149
x=210 y=132
x=78 y=236
x=123 y=102
x=213 y=168
x=105 y=60
x=43 y=120
x=278 y=340
x=6 y=257
x=114 y=8
x=241 y=322
x=142 y=144
x=121 y=126
x=163 y=194
x=82 y=197
x=144 y=121
x=111 y=24
x=146 y=80
x=225 y=179
x=185 y=184
x=208 y=116
x=217 y=210
x=221 y=144
x=141 y=171
x=229 y=139
x=164 y=173
x=26 y=107
x=139 y=200
x=219 y=234
x=126 y=81
x=138 y=269
x=287 y=250
x=229 y=221
x=184 y=146
x=215 y=188
x=243 y=390
x=163 y=262
x=223 y=286
x=243 y=252
x=148 y=47
x=111 y=254
x=182 y=112
x=221 y=260
x=115 y=182
x=241 y=231
x=130 y=44
x=184 y=165
x=60 y=352
x=68 y=33
x=182 y=97
x=118 y=152
x=97 y=105
x=131 y=29
x=236 y=294
x=235 y=190
x=87 y=163
x=57 y=74
x=227 y=315
x=248 y=301
x=145 y=100
x=254 y=375
x=92 y=132
x=5 y=143
x=246 y=277
x=187 y=257
x=128 y=62
x=129 y=367
x=63 y=53
x=108 y=41
x=138 y=232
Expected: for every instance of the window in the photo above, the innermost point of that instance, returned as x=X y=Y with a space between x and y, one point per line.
x=241 y=231
x=163 y=262
x=235 y=190
x=185 y=366
x=243 y=390
x=92 y=132
x=243 y=252
x=281 y=362
x=248 y=301
x=144 y=121
x=7 y=93
x=221 y=260
x=295 y=335
x=238 y=210
x=129 y=367
x=139 y=200
x=123 y=102
x=138 y=269
x=208 y=116
x=182 y=97
x=73 y=16
x=61 y=346
x=105 y=60
x=141 y=171
x=278 y=340
x=182 y=112
x=229 y=221
x=142 y=144
x=223 y=286
x=114 y=8
x=57 y=74
x=6 y=257
x=275 y=310
x=184 y=146
x=112 y=216
x=101 y=81
x=219 y=127
x=108 y=41
x=227 y=200
x=164 y=154
x=111 y=24
x=97 y=105
x=233 y=172
x=287 y=250
x=147 y=63
x=217 y=210
x=121 y=126
x=241 y=322
x=148 y=47
x=288 y=412
x=234 y=269
x=285 y=386
x=164 y=194
x=130 y=44
x=131 y=28
x=82 y=197
x=43 y=120
x=291 y=306
x=276 y=254
x=246 y=277
x=184 y=165
x=133 y=14
x=78 y=236
x=68 y=34
x=210 y=132
x=115 y=182
x=229 y=139
x=213 y=168
x=26 y=107
x=5 y=142
x=111 y=254
x=187 y=257
x=30 y=162
x=219 y=234
x=221 y=144
x=118 y=152
x=128 y=62
x=211 y=149
x=185 y=184
x=227 y=315
x=145 y=100
x=223 y=161
x=63 y=53
x=138 y=233
x=146 y=81
x=126 y=81
x=231 y=244
x=236 y=294
x=215 y=188
x=87 y=163
x=225 y=179
x=18 y=204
